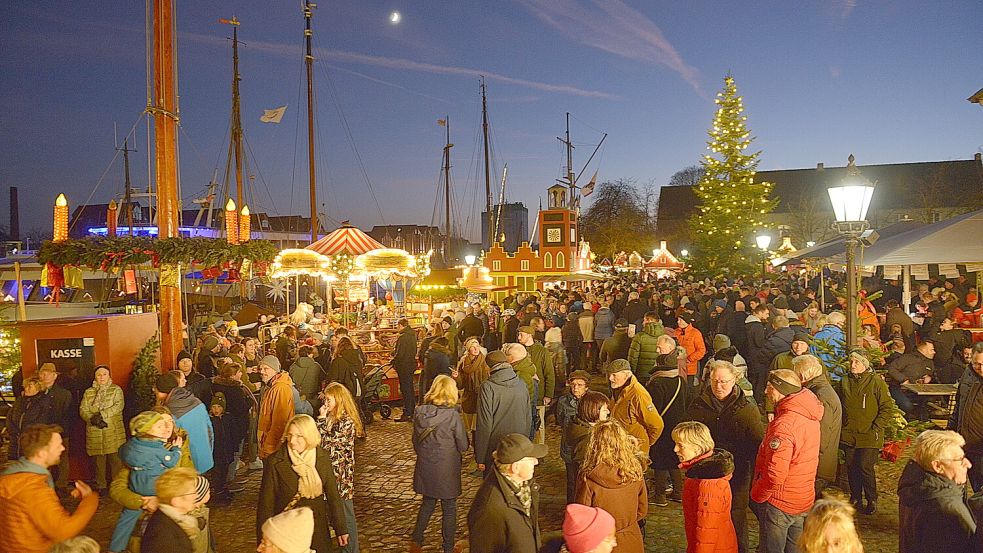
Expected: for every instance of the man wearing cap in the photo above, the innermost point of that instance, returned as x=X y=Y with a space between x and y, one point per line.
x=194 y=381
x=543 y=360
x=799 y=346
x=504 y=517
x=276 y=405
x=633 y=406
x=517 y=356
x=691 y=339
x=60 y=401
x=191 y=415
x=617 y=346
x=566 y=413
x=783 y=486
x=404 y=361
x=643 y=351
x=211 y=349
x=503 y=408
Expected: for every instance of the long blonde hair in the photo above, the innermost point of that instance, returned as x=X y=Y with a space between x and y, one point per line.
x=344 y=405
x=442 y=392
x=610 y=444
x=828 y=513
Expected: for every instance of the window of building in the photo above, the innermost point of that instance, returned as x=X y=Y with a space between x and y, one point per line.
x=496 y=265
x=525 y=284
x=560 y=261
x=524 y=265
x=548 y=261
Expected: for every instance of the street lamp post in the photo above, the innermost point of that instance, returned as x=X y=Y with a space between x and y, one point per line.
x=851 y=199
x=763 y=240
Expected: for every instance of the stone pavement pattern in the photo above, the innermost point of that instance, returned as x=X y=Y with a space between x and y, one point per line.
x=386 y=505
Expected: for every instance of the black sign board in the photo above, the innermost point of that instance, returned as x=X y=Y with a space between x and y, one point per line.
x=68 y=353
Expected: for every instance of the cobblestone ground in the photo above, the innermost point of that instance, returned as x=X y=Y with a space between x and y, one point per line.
x=386 y=506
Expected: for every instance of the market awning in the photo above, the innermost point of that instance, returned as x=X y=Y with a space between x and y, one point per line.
x=346 y=239
x=833 y=250
x=955 y=240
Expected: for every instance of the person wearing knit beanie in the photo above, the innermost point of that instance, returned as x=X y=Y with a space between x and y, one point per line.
x=144 y=422
x=588 y=529
x=167 y=382
x=288 y=532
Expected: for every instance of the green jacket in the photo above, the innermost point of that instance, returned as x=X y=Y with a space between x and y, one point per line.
x=543 y=359
x=643 y=351
x=526 y=370
x=867 y=409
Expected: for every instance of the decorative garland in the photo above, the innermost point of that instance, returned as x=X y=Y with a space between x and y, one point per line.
x=111 y=253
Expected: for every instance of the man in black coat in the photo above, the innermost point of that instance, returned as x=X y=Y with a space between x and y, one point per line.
x=503 y=408
x=63 y=413
x=470 y=327
x=757 y=356
x=404 y=361
x=504 y=517
x=914 y=367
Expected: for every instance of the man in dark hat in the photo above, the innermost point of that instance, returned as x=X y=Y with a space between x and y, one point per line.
x=505 y=513
x=616 y=347
x=503 y=408
x=194 y=381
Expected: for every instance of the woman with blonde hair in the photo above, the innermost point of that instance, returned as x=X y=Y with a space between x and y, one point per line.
x=829 y=527
x=470 y=372
x=706 y=491
x=612 y=478
x=300 y=474
x=338 y=423
x=439 y=439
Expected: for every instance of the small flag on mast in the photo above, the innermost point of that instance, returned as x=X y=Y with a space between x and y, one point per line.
x=273 y=115
x=589 y=189
x=442 y=122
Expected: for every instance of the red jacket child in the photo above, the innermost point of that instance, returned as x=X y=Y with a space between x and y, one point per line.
x=707 y=502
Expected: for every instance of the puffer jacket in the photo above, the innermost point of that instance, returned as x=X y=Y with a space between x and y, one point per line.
x=643 y=353
x=829 y=427
x=785 y=468
x=32 y=518
x=437 y=472
x=707 y=503
x=867 y=407
x=503 y=408
x=603 y=323
x=933 y=514
x=627 y=502
x=691 y=339
x=108 y=402
x=833 y=335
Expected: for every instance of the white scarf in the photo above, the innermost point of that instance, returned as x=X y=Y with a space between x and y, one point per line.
x=309 y=483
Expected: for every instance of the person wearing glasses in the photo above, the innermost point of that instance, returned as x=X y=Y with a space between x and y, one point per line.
x=736 y=425
x=933 y=512
x=967 y=417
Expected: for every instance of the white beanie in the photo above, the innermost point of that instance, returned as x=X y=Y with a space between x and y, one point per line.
x=554 y=335
x=291 y=531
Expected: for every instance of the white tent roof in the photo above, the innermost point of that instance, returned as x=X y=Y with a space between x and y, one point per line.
x=955 y=240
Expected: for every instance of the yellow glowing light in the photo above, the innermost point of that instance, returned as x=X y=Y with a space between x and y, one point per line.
x=230 y=205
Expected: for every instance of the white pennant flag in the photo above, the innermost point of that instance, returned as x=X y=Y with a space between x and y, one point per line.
x=589 y=189
x=273 y=115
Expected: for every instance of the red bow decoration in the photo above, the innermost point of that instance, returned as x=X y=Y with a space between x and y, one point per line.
x=233 y=276
x=56 y=279
x=210 y=273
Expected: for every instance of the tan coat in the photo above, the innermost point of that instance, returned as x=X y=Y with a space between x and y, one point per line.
x=627 y=502
x=634 y=409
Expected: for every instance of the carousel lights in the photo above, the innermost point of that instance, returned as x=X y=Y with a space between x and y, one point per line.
x=60 y=230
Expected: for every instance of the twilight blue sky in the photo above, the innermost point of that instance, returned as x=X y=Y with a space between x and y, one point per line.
x=885 y=80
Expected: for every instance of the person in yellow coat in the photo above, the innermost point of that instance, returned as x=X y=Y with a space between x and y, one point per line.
x=633 y=406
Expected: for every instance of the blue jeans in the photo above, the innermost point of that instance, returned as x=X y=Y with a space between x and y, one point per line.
x=903 y=400
x=125 y=525
x=778 y=530
x=348 y=506
x=406 y=390
x=448 y=521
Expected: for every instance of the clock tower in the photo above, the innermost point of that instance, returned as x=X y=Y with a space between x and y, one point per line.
x=558 y=232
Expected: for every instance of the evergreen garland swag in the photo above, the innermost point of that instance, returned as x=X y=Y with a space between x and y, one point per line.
x=111 y=253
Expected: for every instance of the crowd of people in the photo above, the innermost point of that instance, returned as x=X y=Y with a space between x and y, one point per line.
x=724 y=396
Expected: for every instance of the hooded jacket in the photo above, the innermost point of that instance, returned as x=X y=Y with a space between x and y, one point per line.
x=933 y=514
x=785 y=468
x=779 y=341
x=603 y=323
x=438 y=455
x=191 y=415
x=867 y=409
x=627 y=502
x=32 y=519
x=616 y=347
x=911 y=366
x=757 y=352
x=306 y=374
x=707 y=503
x=691 y=339
x=503 y=408
x=404 y=358
x=967 y=417
x=643 y=352
x=829 y=427
x=275 y=410
x=633 y=408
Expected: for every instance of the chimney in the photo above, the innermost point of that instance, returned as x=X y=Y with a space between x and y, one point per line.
x=662 y=245
x=978 y=157
x=819 y=167
x=14 y=215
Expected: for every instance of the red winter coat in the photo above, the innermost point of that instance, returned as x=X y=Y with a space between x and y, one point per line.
x=707 y=502
x=788 y=457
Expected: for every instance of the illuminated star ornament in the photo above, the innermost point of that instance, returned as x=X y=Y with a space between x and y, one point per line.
x=395 y=17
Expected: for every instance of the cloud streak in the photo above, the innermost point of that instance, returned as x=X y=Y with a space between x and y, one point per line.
x=614 y=27
x=341 y=56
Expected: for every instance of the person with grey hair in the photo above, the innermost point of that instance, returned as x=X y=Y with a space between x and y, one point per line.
x=78 y=544
x=933 y=512
x=518 y=357
x=832 y=334
x=813 y=375
x=867 y=412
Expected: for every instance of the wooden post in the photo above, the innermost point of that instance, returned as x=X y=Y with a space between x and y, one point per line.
x=21 y=307
x=164 y=110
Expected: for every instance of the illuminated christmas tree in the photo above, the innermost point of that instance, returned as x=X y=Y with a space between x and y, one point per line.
x=732 y=206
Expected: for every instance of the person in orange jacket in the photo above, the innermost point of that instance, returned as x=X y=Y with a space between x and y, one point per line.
x=691 y=339
x=276 y=407
x=32 y=519
x=706 y=491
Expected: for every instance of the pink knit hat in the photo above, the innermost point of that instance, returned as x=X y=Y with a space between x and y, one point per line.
x=584 y=528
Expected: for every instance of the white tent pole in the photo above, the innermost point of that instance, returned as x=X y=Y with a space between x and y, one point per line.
x=906 y=286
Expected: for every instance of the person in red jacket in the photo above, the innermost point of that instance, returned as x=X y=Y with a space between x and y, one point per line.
x=783 y=487
x=691 y=339
x=706 y=491
x=969 y=314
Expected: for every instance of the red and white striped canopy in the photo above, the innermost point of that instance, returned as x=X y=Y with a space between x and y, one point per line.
x=346 y=239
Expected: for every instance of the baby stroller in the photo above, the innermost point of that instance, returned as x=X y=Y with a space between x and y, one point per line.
x=371 y=402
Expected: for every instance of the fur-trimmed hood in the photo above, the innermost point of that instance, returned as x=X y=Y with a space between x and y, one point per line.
x=719 y=463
